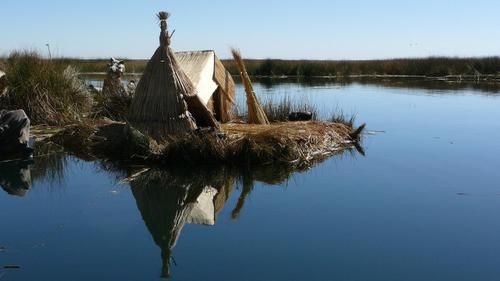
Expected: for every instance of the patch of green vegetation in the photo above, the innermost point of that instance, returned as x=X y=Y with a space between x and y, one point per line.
x=110 y=106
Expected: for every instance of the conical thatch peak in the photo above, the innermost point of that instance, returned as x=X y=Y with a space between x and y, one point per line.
x=163 y=15
x=159 y=106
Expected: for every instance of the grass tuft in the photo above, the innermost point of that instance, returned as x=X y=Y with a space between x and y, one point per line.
x=113 y=107
x=278 y=111
x=49 y=92
x=338 y=116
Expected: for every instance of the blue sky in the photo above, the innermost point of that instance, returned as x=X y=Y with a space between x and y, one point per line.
x=314 y=29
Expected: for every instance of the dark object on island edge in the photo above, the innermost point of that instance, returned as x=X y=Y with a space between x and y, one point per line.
x=356 y=134
x=14 y=134
x=300 y=116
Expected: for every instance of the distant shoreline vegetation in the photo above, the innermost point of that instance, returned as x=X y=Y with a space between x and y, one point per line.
x=469 y=68
x=430 y=67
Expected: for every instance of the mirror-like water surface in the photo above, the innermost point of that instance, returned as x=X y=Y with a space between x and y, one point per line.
x=423 y=204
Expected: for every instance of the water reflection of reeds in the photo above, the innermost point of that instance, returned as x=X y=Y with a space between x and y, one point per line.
x=167 y=199
x=170 y=199
x=49 y=164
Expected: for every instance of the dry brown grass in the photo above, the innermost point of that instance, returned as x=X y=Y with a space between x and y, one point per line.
x=293 y=141
x=290 y=142
x=49 y=92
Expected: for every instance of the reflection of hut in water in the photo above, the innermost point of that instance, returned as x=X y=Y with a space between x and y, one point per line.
x=167 y=201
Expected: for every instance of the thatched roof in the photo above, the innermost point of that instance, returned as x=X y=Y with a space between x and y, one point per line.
x=165 y=100
x=214 y=84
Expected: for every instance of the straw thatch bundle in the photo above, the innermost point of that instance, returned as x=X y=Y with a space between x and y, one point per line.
x=256 y=114
x=159 y=107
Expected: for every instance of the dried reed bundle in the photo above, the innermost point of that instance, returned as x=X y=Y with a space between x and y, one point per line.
x=256 y=114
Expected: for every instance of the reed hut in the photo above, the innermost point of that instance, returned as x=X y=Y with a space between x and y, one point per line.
x=214 y=84
x=166 y=101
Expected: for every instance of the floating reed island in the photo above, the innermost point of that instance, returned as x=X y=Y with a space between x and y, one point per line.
x=182 y=111
x=234 y=144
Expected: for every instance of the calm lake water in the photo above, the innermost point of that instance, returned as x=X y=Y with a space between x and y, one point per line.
x=422 y=204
